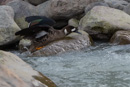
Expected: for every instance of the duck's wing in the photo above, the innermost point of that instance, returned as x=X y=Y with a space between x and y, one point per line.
x=39 y=20
x=31 y=31
x=32 y=18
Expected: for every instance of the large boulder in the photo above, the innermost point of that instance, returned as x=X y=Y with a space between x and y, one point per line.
x=4 y=2
x=71 y=42
x=91 y=5
x=118 y=4
x=16 y=73
x=22 y=9
x=101 y=22
x=7 y=25
x=121 y=37
x=63 y=8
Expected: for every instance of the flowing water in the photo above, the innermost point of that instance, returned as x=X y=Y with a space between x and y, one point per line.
x=102 y=65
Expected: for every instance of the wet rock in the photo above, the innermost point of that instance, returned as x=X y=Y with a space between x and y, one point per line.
x=16 y=73
x=90 y=6
x=63 y=8
x=103 y=21
x=22 y=9
x=7 y=25
x=71 y=42
x=118 y=4
x=121 y=37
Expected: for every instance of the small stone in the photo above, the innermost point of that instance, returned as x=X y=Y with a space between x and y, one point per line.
x=121 y=38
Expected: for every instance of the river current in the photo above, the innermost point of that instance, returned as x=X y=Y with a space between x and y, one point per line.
x=102 y=65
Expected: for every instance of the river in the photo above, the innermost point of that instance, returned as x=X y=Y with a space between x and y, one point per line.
x=102 y=65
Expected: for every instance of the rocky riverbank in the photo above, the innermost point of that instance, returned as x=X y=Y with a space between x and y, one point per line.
x=107 y=20
x=99 y=18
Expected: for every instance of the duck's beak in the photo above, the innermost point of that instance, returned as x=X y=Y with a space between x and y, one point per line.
x=77 y=32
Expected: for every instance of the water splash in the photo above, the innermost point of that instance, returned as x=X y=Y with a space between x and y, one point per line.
x=102 y=65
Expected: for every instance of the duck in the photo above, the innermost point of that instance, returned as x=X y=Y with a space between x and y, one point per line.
x=41 y=35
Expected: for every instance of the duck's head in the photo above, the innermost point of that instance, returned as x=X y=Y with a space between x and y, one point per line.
x=69 y=29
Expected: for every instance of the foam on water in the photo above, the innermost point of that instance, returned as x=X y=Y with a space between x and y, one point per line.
x=98 y=66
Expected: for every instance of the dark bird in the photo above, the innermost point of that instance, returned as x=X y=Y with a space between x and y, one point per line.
x=42 y=35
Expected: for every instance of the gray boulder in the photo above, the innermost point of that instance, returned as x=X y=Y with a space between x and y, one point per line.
x=90 y=6
x=63 y=8
x=103 y=21
x=4 y=2
x=16 y=73
x=71 y=42
x=7 y=25
x=118 y=4
x=121 y=37
x=22 y=9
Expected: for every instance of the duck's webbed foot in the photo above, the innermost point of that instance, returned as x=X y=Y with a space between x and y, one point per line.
x=38 y=48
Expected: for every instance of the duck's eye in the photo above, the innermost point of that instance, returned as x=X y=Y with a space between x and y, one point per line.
x=74 y=29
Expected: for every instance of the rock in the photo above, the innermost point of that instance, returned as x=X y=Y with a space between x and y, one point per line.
x=16 y=73
x=103 y=21
x=121 y=37
x=74 y=22
x=128 y=1
x=63 y=8
x=4 y=2
x=7 y=25
x=90 y=6
x=36 y=2
x=72 y=42
x=22 y=9
x=127 y=9
x=118 y=4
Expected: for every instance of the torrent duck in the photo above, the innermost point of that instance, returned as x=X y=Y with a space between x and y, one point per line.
x=42 y=35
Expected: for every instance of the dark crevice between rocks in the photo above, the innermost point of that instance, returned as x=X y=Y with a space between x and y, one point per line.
x=10 y=46
x=36 y=3
x=97 y=33
x=60 y=23
x=63 y=21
